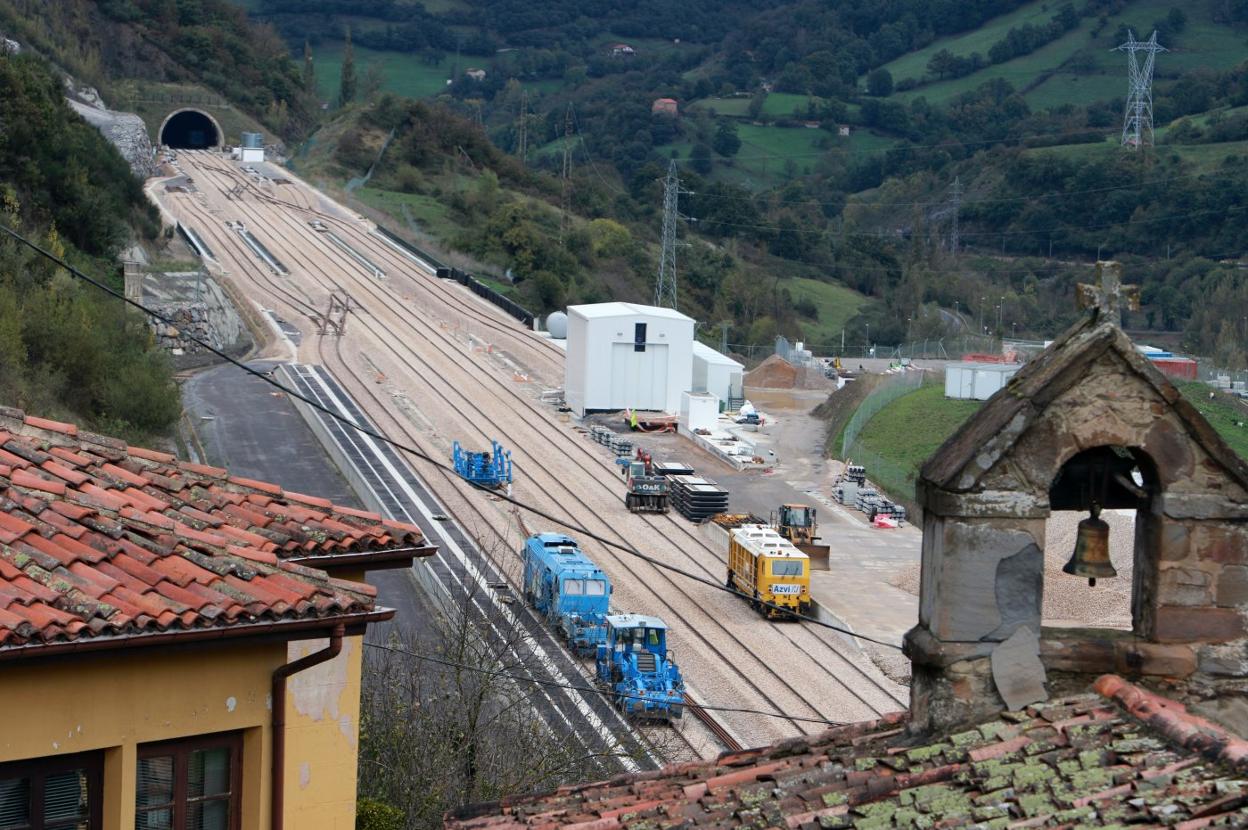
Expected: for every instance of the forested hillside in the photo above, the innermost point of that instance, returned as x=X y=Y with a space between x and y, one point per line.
x=66 y=350
x=122 y=46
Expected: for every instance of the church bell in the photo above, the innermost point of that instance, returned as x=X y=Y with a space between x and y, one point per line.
x=1091 y=556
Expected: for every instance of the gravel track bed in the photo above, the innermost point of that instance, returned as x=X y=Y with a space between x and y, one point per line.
x=547 y=474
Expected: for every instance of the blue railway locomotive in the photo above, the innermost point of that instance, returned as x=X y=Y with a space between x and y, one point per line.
x=570 y=590
x=634 y=665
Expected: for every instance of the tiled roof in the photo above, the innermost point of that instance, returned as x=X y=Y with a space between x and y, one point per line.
x=1123 y=756
x=100 y=539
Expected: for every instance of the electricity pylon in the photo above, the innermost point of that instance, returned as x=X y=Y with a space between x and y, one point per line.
x=665 y=290
x=1137 y=124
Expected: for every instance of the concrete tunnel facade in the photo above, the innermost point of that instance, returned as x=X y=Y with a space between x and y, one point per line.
x=190 y=129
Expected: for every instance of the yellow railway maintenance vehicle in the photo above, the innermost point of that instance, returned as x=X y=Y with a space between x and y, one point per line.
x=765 y=566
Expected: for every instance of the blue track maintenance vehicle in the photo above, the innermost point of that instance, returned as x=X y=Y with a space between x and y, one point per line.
x=568 y=589
x=491 y=468
x=634 y=666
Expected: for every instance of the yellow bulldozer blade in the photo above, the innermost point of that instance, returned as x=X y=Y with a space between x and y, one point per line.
x=818 y=554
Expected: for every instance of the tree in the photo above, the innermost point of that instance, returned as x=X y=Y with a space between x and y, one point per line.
x=309 y=71
x=438 y=735
x=700 y=159
x=346 y=82
x=942 y=63
x=374 y=79
x=726 y=142
x=880 y=83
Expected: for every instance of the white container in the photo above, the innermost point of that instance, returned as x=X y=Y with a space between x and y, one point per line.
x=716 y=373
x=698 y=410
x=622 y=355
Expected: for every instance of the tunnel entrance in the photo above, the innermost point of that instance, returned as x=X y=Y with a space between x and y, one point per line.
x=190 y=130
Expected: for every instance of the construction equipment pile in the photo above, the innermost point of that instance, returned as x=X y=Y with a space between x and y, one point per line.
x=697 y=498
x=853 y=489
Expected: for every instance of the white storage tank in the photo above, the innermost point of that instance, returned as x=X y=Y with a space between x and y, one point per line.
x=627 y=356
x=716 y=373
x=977 y=381
x=252 y=147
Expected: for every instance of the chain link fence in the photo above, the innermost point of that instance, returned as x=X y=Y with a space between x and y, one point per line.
x=888 y=390
x=1229 y=380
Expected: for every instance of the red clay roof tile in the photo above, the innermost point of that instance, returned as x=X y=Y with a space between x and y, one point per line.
x=1113 y=763
x=152 y=455
x=162 y=544
x=122 y=474
x=67 y=473
x=204 y=470
x=252 y=484
x=54 y=426
x=21 y=478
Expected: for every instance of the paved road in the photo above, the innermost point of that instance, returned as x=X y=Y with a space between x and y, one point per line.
x=248 y=427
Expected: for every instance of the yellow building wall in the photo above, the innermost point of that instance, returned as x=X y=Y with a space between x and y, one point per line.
x=322 y=737
x=118 y=700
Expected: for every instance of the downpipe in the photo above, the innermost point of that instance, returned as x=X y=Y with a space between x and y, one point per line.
x=277 y=801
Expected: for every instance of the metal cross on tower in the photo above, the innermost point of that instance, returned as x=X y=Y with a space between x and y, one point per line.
x=1137 y=124
x=665 y=290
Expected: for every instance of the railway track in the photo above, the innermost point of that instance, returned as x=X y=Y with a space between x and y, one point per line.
x=815 y=647
x=612 y=478
x=541 y=349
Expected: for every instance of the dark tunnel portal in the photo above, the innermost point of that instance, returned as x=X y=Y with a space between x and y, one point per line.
x=189 y=130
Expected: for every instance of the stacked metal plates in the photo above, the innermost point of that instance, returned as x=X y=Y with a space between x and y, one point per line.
x=619 y=444
x=672 y=468
x=847 y=493
x=697 y=498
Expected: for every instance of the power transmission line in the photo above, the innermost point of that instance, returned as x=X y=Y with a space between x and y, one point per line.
x=565 y=196
x=538 y=681
x=416 y=452
x=524 y=128
x=1137 y=123
x=957 y=206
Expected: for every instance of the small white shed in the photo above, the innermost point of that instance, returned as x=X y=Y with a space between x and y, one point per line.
x=622 y=355
x=977 y=381
x=699 y=410
x=716 y=373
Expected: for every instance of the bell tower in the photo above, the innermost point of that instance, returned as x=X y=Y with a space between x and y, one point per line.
x=1087 y=425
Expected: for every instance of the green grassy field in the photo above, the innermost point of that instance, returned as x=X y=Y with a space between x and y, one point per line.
x=403 y=73
x=914 y=64
x=836 y=304
x=1206 y=156
x=429 y=213
x=763 y=160
x=1204 y=42
x=905 y=433
x=910 y=429
x=1223 y=412
x=775 y=105
x=1068 y=88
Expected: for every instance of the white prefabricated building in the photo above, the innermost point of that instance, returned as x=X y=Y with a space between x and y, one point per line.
x=622 y=355
x=977 y=381
x=717 y=373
